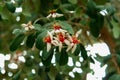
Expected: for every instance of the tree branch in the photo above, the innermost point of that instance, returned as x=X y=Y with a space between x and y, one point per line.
x=107 y=38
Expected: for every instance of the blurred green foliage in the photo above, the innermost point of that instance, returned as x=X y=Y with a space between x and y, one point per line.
x=81 y=15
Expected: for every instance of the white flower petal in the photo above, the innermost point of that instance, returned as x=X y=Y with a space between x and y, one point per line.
x=58 y=15
x=23 y=25
x=55 y=42
x=74 y=48
x=50 y=34
x=57 y=31
x=54 y=15
x=67 y=42
x=60 y=47
x=63 y=31
x=70 y=38
x=69 y=47
x=13 y=66
x=21 y=58
x=48 y=47
x=78 y=33
x=26 y=29
x=50 y=15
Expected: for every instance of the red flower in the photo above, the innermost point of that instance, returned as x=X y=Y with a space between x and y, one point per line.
x=61 y=37
x=57 y=27
x=75 y=40
x=47 y=39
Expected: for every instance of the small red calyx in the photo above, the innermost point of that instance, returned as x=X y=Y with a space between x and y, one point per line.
x=52 y=11
x=57 y=27
x=75 y=40
x=61 y=37
x=47 y=39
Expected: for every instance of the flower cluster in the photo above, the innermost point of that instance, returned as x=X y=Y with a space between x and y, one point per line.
x=28 y=26
x=61 y=38
x=54 y=14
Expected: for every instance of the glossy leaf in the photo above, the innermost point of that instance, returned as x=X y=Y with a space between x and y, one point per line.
x=30 y=40
x=66 y=26
x=45 y=54
x=83 y=52
x=96 y=25
x=46 y=60
x=39 y=41
x=93 y=29
x=91 y=9
x=10 y=6
x=62 y=57
x=111 y=10
x=16 y=42
x=77 y=51
x=106 y=58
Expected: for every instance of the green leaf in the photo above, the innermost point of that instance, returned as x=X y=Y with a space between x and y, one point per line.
x=62 y=57
x=93 y=29
x=16 y=42
x=111 y=10
x=91 y=9
x=10 y=6
x=106 y=58
x=83 y=52
x=66 y=26
x=115 y=77
x=46 y=58
x=96 y=24
x=30 y=40
x=102 y=59
x=5 y=13
x=116 y=29
x=37 y=27
x=17 y=31
x=45 y=54
x=91 y=59
x=39 y=41
x=78 y=12
x=77 y=51
x=73 y=1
